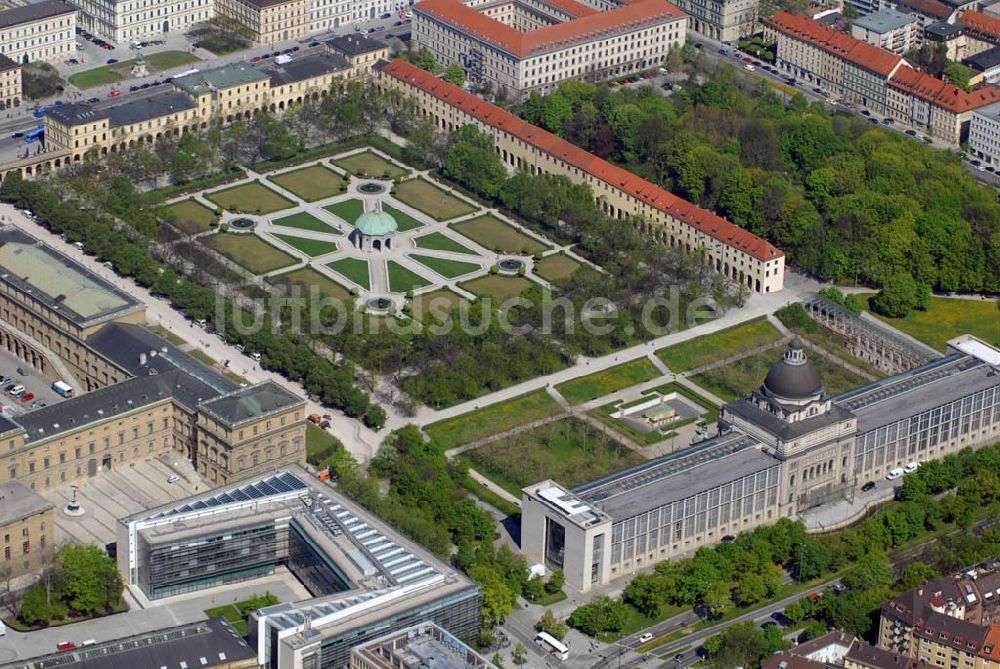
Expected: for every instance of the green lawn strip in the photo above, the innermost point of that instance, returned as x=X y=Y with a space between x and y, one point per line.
x=367 y=163
x=311 y=247
x=479 y=423
x=311 y=183
x=99 y=76
x=307 y=278
x=437 y=241
x=402 y=279
x=605 y=382
x=486 y=495
x=947 y=318
x=166 y=334
x=490 y=232
x=556 y=267
x=353 y=269
x=347 y=210
x=305 y=221
x=190 y=216
x=403 y=220
x=431 y=199
x=437 y=304
x=203 y=357
x=446 y=267
x=719 y=345
x=166 y=60
x=497 y=287
x=110 y=74
x=249 y=251
x=319 y=444
x=661 y=641
x=635 y=621
x=250 y=198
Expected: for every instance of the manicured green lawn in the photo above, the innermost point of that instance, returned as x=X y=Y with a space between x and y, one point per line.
x=556 y=267
x=492 y=233
x=604 y=414
x=237 y=613
x=433 y=201
x=250 y=198
x=497 y=287
x=608 y=381
x=718 y=346
x=353 y=269
x=305 y=221
x=320 y=445
x=403 y=220
x=191 y=216
x=165 y=60
x=570 y=452
x=947 y=318
x=307 y=277
x=110 y=74
x=99 y=76
x=311 y=247
x=435 y=305
x=250 y=251
x=445 y=267
x=311 y=183
x=438 y=241
x=347 y=210
x=402 y=280
x=479 y=423
x=370 y=164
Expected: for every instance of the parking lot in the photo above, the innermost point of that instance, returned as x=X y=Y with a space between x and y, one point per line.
x=33 y=382
x=114 y=494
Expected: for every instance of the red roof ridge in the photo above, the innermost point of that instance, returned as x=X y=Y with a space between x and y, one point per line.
x=618 y=177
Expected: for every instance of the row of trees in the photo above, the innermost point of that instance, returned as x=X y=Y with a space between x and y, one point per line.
x=844 y=200
x=80 y=581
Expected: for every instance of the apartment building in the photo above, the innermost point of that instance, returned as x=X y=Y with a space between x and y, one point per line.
x=594 y=45
x=723 y=20
x=10 y=83
x=42 y=31
x=875 y=79
x=984 y=134
x=332 y=14
x=888 y=30
x=121 y=21
x=269 y=20
x=738 y=254
x=26 y=526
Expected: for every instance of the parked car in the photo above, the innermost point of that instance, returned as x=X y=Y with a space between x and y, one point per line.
x=928 y=140
x=73 y=61
x=17 y=135
x=911 y=467
x=748 y=67
x=112 y=61
x=114 y=93
x=65 y=645
x=868 y=486
x=10 y=386
x=174 y=478
x=27 y=397
x=313 y=44
x=894 y=474
x=4 y=380
x=255 y=59
x=865 y=112
x=94 y=101
x=18 y=392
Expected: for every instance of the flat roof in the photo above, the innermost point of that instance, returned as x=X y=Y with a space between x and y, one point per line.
x=885 y=21
x=984 y=60
x=210 y=643
x=34 y=12
x=18 y=501
x=60 y=283
x=354 y=44
x=423 y=645
x=251 y=403
x=566 y=503
x=225 y=76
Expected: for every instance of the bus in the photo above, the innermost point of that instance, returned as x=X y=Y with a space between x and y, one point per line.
x=552 y=646
x=37 y=133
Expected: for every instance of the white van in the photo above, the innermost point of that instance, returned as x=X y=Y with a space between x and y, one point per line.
x=3 y=629
x=894 y=474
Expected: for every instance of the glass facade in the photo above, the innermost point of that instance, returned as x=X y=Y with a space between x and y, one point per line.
x=315 y=570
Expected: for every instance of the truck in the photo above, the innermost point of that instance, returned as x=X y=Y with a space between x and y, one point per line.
x=282 y=59
x=63 y=389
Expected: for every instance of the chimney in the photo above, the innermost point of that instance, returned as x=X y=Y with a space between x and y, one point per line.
x=152 y=353
x=142 y=359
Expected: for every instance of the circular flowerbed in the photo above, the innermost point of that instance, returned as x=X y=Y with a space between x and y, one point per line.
x=371 y=188
x=510 y=265
x=239 y=225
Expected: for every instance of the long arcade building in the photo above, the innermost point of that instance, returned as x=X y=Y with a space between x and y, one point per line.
x=740 y=255
x=782 y=450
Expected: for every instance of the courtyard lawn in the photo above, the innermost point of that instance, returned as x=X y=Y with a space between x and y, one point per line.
x=402 y=279
x=611 y=380
x=191 y=216
x=371 y=164
x=445 y=267
x=403 y=220
x=311 y=247
x=352 y=269
x=435 y=305
x=110 y=74
x=437 y=241
x=736 y=379
x=490 y=232
x=311 y=183
x=306 y=278
x=719 y=345
x=237 y=613
x=305 y=221
x=432 y=200
x=570 y=451
x=250 y=251
x=166 y=60
x=347 y=210
x=497 y=287
x=249 y=198
x=499 y=417
x=99 y=76
x=947 y=318
x=556 y=267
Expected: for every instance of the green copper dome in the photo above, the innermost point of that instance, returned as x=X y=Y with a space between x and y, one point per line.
x=376 y=224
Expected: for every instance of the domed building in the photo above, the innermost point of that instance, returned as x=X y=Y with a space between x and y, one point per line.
x=793 y=381
x=374 y=229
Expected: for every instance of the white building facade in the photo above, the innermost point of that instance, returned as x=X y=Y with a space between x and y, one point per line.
x=42 y=31
x=122 y=21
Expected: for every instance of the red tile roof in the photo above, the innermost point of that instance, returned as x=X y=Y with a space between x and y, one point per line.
x=981 y=24
x=942 y=94
x=572 y=7
x=701 y=219
x=840 y=44
x=928 y=7
x=587 y=26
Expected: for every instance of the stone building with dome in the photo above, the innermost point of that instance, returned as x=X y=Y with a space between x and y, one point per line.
x=374 y=229
x=784 y=449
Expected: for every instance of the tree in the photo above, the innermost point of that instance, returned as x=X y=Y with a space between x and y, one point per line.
x=750 y=589
x=915 y=575
x=719 y=598
x=556 y=582
x=646 y=593
x=454 y=75
x=810 y=559
x=425 y=60
x=534 y=588
x=472 y=162
x=601 y=614
x=520 y=654
x=898 y=296
x=549 y=623
x=958 y=74
x=39 y=80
